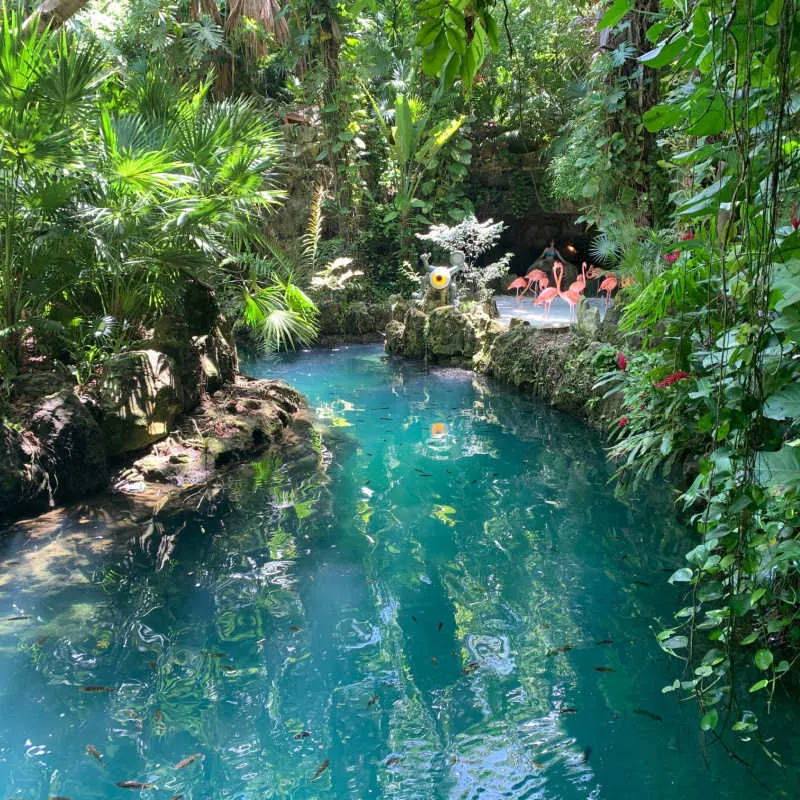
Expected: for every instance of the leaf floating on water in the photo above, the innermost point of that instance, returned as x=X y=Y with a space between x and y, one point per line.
x=188 y=760
x=471 y=667
x=648 y=714
x=96 y=689
x=93 y=751
x=135 y=785
x=606 y=641
x=321 y=768
x=374 y=699
x=302 y=735
x=604 y=669
x=444 y=514
x=563 y=649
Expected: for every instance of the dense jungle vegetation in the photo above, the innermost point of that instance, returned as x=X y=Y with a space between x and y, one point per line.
x=141 y=146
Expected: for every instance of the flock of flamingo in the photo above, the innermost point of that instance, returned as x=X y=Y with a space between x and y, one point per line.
x=544 y=294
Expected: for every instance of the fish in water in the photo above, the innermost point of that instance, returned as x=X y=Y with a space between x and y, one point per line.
x=440 y=626
x=95 y=689
x=176 y=797
x=93 y=751
x=414 y=618
x=563 y=649
x=434 y=661
x=58 y=797
x=586 y=753
x=134 y=785
x=188 y=760
x=214 y=654
x=159 y=715
x=18 y=617
x=471 y=667
x=295 y=628
x=41 y=640
x=648 y=714
x=392 y=760
x=606 y=641
x=153 y=666
x=567 y=710
x=641 y=583
x=374 y=699
x=302 y=735
x=604 y=669
x=321 y=768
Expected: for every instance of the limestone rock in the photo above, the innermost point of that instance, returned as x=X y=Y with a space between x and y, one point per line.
x=139 y=398
x=414 y=327
x=588 y=318
x=450 y=334
x=72 y=453
x=394 y=338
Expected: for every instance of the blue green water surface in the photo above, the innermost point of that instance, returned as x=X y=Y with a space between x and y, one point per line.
x=458 y=609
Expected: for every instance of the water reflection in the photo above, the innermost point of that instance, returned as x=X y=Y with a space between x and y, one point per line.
x=425 y=618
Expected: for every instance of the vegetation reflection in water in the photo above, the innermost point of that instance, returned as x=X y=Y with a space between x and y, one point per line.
x=459 y=609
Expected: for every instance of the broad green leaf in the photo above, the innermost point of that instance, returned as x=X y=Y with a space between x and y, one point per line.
x=709 y=720
x=665 y=52
x=763 y=659
x=436 y=55
x=784 y=404
x=683 y=575
x=758 y=685
x=780 y=468
x=619 y=8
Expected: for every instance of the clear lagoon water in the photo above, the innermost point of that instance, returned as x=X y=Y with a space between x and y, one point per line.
x=458 y=609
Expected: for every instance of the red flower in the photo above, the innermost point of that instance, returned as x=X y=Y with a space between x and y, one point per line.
x=623 y=422
x=686 y=236
x=795 y=222
x=671 y=258
x=622 y=362
x=672 y=378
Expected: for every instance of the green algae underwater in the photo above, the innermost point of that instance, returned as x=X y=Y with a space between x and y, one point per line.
x=458 y=608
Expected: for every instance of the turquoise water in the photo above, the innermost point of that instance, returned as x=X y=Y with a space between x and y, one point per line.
x=398 y=629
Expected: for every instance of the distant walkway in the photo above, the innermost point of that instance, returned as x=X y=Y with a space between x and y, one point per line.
x=510 y=308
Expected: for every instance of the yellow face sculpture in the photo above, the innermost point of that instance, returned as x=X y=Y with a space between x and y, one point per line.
x=440 y=278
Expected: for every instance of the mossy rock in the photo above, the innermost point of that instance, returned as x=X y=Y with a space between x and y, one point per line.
x=394 y=338
x=414 y=333
x=450 y=334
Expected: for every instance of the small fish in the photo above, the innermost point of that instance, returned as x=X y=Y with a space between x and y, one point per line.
x=471 y=667
x=434 y=661
x=563 y=649
x=159 y=715
x=641 y=583
x=367 y=483
x=586 y=753
x=374 y=699
x=17 y=618
x=216 y=654
x=370 y=580
x=414 y=618
x=648 y=714
x=93 y=751
x=228 y=667
x=424 y=474
x=134 y=785
x=392 y=760
x=546 y=627
x=553 y=503
x=567 y=710
x=604 y=669
x=440 y=626
x=153 y=666
x=41 y=640
x=176 y=797
x=188 y=760
x=58 y=797
x=295 y=628
x=321 y=768
x=94 y=689
x=302 y=735
x=606 y=641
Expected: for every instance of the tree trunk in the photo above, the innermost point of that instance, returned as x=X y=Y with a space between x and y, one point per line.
x=54 y=12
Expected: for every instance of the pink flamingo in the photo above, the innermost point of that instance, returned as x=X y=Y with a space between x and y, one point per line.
x=579 y=285
x=607 y=285
x=547 y=295
x=519 y=283
x=538 y=278
x=571 y=296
